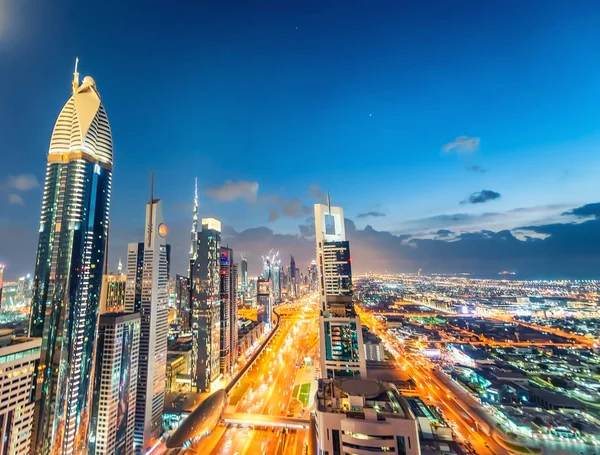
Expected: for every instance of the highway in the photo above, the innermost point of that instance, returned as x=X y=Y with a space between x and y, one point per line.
x=435 y=392
x=268 y=387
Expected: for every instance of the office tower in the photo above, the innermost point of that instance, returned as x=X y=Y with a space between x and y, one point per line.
x=206 y=306
x=112 y=298
x=115 y=384
x=229 y=311
x=364 y=416
x=276 y=280
x=194 y=233
x=293 y=279
x=244 y=272
x=182 y=301
x=120 y=268
x=69 y=266
x=147 y=294
x=264 y=301
x=342 y=351
x=1 y=278
x=18 y=359
x=313 y=277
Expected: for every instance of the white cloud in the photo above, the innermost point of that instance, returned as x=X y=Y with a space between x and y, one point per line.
x=462 y=144
x=16 y=199
x=22 y=182
x=230 y=191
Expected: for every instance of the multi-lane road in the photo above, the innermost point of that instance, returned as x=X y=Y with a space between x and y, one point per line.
x=268 y=387
x=466 y=426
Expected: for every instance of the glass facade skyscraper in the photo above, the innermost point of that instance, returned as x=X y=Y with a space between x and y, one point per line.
x=69 y=267
x=206 y=307
x=342 y=352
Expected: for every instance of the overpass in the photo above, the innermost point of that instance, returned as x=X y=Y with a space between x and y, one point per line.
x=254 y=356
x=262 y=420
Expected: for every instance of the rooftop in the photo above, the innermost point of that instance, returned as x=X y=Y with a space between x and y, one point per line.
x=362 y=399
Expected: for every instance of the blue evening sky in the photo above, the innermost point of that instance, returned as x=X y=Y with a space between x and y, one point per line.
x=357 y=97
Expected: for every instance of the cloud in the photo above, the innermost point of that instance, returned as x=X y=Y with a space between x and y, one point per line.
x=443 y=233
x=16 y=199
x=294 y=208
x=230 y=191
x=462 y=144
x=273 y=215
x=482 y=196
x=22 y=182
x=374 y=214
x=586 y=211
x=317 y=193
x=477 y=169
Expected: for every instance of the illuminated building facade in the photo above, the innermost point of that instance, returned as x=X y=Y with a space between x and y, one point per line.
x=342 y=351
x=18 y=358
x=229 y=311
x=113 y=293
x=115 y=384
x=152 y=305
x=206 y=306
x=182 y=301
x=69 y=266
x=264 y=301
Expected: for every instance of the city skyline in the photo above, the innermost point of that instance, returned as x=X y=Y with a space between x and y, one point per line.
x=465 y=160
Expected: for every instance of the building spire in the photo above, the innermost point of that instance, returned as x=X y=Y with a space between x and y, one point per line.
x=329 y=202
x=76 y=76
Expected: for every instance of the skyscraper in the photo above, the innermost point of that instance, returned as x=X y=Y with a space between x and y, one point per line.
x=342 y=351
x=69 y=267
x=115 y=384
x=229 y=311
x=152 y=304
x=18 y=358
x=113 y=293
x=1 y=278
x=244 y=272
x=194 y=233
x=264 y=301
x=293 y=279
x=182 y=300
x=206 y=307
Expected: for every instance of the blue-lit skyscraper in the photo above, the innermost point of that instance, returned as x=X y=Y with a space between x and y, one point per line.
x=69 y=267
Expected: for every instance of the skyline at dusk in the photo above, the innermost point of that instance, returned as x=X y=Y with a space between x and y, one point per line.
x=460 y=138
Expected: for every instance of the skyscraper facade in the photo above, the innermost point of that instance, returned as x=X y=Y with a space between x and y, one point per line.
x=182 y=301
x=18 y=359
x=113 y=293
x=264 y=301
x=69 y=267
x=115 y=384
x=342 y=351
x=206 y=307
x=152 y=304
x=229 y=311
x=244 y=273
x=293 y=279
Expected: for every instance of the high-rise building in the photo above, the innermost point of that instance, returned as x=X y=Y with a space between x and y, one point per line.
x=342 y=351
x=1 y=278
x=69 y=266
x=112 y=298
x=244 y=272
x=264 y=301
x=313 y=277
x=18 y=358
x=182 y=301
x=229 y=311
x=152 y=304
x=115 y=384
x=206 y=307
x=293 y=279
x=194 y=234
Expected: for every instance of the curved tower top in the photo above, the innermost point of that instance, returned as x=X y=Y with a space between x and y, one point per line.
x=82 y=130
